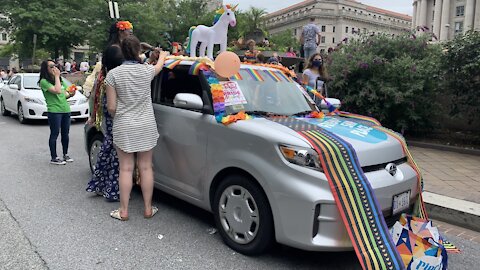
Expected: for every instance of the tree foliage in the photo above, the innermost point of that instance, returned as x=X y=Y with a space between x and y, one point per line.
x=283 y=40
x=393 y=79
x=461 y=63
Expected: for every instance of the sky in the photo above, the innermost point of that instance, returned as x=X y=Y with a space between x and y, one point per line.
x=401 y=6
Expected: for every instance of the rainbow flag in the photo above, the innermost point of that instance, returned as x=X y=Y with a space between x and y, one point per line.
x=255 y=74
x=354 y=197
x=283 y=76
x=237 y=77
x=195 y=68
x=171 y=64
x=272 y=75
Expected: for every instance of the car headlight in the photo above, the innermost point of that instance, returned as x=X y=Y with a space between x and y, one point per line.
x=306 y=157
x=82 y=101
x=33 y=100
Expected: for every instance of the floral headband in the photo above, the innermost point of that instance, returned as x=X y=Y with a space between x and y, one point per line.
x=124 y=25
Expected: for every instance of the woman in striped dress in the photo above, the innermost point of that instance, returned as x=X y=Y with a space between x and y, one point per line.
x=134 y=126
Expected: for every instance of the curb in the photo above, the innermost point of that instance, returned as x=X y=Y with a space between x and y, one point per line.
x=454 y=211
x=475 y=152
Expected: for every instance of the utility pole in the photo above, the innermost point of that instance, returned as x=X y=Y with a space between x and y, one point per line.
x=34 y=48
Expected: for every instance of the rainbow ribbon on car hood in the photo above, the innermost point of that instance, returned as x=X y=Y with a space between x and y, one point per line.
x=354 y=197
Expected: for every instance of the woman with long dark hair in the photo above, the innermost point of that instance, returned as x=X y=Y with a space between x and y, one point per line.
x=55 y=92
x=315 y=74
x=105 y=176
x=134 y=126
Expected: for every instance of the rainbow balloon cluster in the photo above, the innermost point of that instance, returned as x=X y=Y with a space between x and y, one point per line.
x=219 y=102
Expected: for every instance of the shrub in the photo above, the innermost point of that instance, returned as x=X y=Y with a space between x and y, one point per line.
x=461 y=63
x=392 y=78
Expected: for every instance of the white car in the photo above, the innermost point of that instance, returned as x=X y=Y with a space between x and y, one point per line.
x=22 y=95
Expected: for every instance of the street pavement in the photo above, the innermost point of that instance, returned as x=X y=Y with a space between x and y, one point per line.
x=48 y=221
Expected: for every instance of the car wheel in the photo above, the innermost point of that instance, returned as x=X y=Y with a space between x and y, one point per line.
x=94 y=149
x=3 y=110
x=20 y=115
x=243 y=215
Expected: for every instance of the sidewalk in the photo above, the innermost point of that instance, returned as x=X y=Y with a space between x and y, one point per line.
x=448 y=173
x=451 y=185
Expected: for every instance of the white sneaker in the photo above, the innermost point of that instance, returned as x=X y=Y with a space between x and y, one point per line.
x=67 y=158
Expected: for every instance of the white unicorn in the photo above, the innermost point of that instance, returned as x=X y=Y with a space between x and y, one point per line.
x=216 y=34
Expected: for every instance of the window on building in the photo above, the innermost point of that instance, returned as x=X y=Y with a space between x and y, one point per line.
x=295 y=31
x=323 y=28
x=353 y=30
x=322 y=51
x=333 y=40
x=433 y=14
x=334 y=29
x=458 y=27
x=323 y=39
x=4 y=36
x=346 y=29
x=460 y=11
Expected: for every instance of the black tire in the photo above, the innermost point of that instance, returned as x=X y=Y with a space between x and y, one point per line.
x=4 y=111
x=20 y=115
x=96 y=141
x=265 y=235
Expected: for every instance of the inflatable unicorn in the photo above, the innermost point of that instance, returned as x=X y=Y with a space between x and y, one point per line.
x=216 y=34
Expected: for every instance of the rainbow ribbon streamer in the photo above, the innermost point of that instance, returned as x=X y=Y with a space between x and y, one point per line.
x=196 y=67
x=272 y=75
x=255 y=74
x=354 y=197
x=172 y=64
x=237 y=77
x=364 y=119
x=283 y=76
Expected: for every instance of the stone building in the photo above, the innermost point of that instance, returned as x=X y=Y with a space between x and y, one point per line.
x=447 y=18
x=337 y=20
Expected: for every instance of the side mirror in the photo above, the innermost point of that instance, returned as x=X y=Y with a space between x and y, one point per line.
x=13 y=86
x=188 y=101
x=335 y=102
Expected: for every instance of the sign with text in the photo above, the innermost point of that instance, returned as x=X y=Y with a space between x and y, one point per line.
x=233 y=94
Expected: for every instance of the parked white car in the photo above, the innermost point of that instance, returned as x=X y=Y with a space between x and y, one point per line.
x=22 y=96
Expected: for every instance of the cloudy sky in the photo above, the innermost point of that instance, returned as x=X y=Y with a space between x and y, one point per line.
x=401 y=6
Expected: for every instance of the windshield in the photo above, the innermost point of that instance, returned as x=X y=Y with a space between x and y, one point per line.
x=31 y=82
x=271 y=95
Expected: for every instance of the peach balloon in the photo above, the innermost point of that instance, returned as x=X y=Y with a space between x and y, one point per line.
x=227 y=64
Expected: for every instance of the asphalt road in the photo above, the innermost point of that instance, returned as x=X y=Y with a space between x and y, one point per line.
x=49 y=221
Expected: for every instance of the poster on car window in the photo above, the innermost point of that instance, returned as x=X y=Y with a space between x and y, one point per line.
x=233 y=94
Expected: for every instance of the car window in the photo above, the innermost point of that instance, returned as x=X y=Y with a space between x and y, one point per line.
x=177 y=81
x=15 y=80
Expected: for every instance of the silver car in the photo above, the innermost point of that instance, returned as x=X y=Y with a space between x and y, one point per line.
x=257 y=194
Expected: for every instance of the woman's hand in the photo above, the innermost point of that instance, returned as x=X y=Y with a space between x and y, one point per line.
x=162 y=55
x=56 y=72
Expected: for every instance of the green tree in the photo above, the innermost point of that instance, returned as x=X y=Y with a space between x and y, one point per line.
x=59 y=25
x=394 y=79
x=281 y=41
x=461 y=63
x=254 y=19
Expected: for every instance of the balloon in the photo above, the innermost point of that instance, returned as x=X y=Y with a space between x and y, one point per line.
x=227 y=64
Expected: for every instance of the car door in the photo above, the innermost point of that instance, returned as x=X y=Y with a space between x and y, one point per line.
x=11 y=94
x=180 y=155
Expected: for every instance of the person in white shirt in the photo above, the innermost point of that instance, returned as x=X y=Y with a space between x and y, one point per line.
x=68 y=66
x=84 y=66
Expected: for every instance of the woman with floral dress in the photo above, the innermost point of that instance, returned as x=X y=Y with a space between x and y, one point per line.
x=104 y=181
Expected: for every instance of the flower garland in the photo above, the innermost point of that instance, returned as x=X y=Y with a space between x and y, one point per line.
x=71 y=89
x=124 y=25
x=219 y=102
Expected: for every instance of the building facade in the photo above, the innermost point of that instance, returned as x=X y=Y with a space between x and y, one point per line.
x=337 y=20
x=447 y=18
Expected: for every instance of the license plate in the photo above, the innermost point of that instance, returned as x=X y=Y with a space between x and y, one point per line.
x=400 y=202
